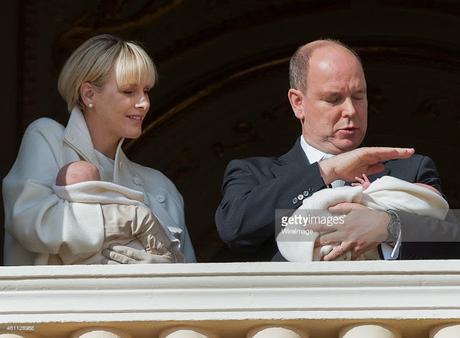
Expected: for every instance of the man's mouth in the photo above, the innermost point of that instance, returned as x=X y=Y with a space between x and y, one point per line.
x=347 y=130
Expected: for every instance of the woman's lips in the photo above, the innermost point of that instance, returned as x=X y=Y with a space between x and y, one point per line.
x=135 y=118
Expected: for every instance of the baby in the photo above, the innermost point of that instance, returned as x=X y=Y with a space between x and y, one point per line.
x=127 y=220
x=383 y=194
x=365 y=183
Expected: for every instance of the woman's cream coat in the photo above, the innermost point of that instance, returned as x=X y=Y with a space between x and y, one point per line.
x=38 y=222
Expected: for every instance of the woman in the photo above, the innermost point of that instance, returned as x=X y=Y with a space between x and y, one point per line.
x=105 y=83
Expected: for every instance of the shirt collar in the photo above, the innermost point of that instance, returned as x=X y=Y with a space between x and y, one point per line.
x=313 y=154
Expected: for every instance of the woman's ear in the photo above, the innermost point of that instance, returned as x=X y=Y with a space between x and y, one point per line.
x=296 y=99
x=87 y=94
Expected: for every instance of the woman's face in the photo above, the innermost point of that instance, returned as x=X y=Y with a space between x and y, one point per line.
x=118 y=112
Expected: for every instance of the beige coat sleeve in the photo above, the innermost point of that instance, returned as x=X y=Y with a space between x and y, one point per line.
x=34 y=216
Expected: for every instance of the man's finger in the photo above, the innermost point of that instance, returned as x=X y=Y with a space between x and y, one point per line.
x=341 y=208
x=388 y=153
x=404 y=152
x=375 y=169
x=338 y=251
x=319 y=228
x=360 y=249
x=330 y=238
x=345 y=208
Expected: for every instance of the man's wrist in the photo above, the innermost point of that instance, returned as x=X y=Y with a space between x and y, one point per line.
x=326 y=172
x=393 y=227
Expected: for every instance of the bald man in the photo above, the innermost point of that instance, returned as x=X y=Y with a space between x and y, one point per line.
x=328 y=96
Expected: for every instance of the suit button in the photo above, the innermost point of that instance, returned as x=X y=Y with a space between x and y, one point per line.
x=300 y=197
x=306 y=193
x=294 y=201
x=161 y=198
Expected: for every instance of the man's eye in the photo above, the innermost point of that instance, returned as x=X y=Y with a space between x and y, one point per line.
x=333 y=99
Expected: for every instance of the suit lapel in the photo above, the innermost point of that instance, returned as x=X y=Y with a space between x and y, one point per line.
x=373 y=177
x=295 y=156
x=385 y=172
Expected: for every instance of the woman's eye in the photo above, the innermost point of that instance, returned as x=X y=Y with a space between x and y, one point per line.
x=128 y=92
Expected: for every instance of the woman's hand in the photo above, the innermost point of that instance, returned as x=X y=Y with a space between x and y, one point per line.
x=120 y=254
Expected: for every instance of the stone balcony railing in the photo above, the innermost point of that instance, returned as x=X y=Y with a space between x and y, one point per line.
x=410 y=299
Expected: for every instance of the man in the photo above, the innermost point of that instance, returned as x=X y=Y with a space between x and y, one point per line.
x=328 y=96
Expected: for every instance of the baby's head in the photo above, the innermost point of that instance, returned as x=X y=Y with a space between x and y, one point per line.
x=76 y=172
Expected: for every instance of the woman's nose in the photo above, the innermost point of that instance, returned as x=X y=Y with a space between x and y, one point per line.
x=143 y=102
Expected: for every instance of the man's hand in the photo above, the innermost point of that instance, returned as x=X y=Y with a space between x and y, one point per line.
x=120 y=254
x=362 y=230
x=360 y=161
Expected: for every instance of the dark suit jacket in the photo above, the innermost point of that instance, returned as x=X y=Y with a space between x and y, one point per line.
x=254 y=188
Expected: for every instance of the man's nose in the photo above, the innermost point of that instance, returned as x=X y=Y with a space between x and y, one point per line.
x=348 y=107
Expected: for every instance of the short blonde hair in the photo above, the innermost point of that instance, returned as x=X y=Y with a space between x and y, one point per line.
x=93 y=61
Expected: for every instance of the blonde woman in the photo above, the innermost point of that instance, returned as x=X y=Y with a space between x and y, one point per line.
x=105 y=83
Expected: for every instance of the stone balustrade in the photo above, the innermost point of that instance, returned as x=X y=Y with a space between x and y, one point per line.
x=379 y=299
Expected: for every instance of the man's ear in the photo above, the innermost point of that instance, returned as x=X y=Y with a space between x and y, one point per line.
x=296 y=98
x=87 y=93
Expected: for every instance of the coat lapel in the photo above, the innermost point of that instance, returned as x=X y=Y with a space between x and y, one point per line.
x=77 y=136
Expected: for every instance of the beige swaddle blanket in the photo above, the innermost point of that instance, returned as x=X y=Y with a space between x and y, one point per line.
x=384 y=193
x=126 y=219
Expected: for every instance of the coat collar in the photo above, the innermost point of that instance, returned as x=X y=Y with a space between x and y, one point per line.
x=77 y=136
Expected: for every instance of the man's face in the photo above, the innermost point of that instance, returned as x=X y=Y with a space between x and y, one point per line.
x=334 y=106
